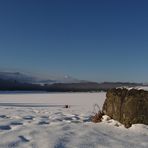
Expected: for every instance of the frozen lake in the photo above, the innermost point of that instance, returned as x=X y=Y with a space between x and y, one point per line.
x=85 y=100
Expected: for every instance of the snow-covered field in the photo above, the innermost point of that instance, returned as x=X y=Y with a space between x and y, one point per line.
x=40 y=121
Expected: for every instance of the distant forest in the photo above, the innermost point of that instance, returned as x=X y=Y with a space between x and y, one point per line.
x=13 y=85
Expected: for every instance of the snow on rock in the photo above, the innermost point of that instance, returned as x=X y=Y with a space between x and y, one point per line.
x=136 y=87
x=143 y=87
x=54 y=126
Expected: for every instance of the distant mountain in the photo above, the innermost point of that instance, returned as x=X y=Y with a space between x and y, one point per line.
x=17 y=76
x=20 y=81
x=25 y=78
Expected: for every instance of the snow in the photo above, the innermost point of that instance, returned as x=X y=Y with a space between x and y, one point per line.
x=136 y=87
x=143 y=87
x=40 y=120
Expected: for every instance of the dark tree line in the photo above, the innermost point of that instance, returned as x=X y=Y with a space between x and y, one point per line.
x=13 y=85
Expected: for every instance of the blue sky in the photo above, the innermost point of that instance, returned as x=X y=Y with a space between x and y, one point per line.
x=98 y=40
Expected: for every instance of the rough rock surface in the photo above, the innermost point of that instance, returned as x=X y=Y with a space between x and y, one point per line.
x=127 y=106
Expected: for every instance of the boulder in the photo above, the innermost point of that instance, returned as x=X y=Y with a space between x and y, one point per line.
x=127 y=106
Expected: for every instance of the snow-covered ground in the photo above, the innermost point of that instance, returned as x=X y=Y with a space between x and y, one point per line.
x=40 y=121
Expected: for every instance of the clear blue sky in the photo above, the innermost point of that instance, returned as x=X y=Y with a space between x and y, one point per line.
x=99 y=40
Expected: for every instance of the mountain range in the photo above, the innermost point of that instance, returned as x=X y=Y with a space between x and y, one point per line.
x=26 y=78
x=20 y=81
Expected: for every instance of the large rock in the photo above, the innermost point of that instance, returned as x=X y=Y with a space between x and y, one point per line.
x=127 y=106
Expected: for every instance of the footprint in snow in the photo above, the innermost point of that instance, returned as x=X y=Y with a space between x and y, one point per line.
x=16 y=143
x=28 y=117
x=5 y=127
x=24 y=139
x=43 y=123
x=45 y=117
x=15 y=123
x=68 y=118
x=3 y=116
